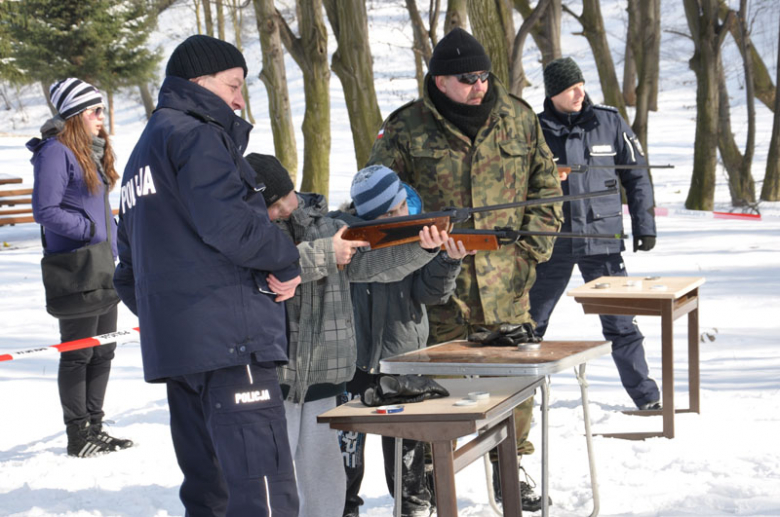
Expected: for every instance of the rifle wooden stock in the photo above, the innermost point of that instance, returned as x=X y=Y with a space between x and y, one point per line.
x=476 y=241
x=385 y=235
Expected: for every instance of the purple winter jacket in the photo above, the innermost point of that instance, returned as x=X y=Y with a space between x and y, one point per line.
x=61 y=202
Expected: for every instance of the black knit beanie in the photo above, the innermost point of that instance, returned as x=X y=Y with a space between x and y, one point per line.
x=203 y=55
x=272 y=173
x=458 y=53
x=560 y=74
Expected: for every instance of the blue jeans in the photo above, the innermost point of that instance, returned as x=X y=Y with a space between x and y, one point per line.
x=628 y=351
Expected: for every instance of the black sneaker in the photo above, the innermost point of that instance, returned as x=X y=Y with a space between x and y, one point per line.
x=651 y=406
x=530 y=500
x=83 y=444
x=116 y=444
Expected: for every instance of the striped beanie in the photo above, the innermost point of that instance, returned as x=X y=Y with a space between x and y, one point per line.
x=375 y=190
x=71 y=96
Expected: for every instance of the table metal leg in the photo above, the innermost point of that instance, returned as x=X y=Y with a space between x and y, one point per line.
x=594 y=484
x=398 y=481
x=545 y=458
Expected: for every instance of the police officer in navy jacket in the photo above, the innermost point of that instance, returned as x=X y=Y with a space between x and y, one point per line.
x=579 y=132
x=195 y=248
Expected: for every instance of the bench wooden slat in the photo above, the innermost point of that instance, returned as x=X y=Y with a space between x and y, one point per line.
x=16 y=211
x=16 y=192
x=4 y=221
x=8 y=217
x=15 y=201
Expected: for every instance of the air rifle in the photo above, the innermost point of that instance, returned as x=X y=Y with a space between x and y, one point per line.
x=393 y=231
x=565 y=170
x=491 y=240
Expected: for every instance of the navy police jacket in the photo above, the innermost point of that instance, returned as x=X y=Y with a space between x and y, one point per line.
x=195 y=242
x=598 y=135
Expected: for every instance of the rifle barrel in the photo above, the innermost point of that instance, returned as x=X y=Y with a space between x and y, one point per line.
x=584 y=166
x=544 y=201
x=568 y=235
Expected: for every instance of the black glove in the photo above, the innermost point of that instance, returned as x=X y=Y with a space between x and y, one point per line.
x=402 y=389
x=506 y=335
x=644 y=242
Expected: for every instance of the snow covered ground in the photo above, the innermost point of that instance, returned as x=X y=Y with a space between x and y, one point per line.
x=725 y=461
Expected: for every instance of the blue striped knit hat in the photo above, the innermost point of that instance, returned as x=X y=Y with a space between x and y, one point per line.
x=71 y=96
x=375 y=190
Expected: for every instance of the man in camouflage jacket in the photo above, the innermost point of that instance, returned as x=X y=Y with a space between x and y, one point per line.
x=469 y=143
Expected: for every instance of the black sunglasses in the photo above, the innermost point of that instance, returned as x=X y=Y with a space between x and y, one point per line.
x=471 y=78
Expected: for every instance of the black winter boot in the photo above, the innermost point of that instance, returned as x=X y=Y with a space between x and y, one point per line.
x=531 y=501
x=82 y=443
x=115 y=443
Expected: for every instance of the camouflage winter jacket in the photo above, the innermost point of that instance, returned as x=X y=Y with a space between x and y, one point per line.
x=508 y=161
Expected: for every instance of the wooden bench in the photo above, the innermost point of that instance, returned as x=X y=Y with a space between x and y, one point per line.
x=21 y=203
x=21 y=207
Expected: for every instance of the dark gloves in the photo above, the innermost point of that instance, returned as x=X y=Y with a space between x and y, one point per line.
x=644 y=242
x=506 y=335
x=402 y=389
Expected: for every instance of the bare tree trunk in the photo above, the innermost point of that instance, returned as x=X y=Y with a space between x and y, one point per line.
x=552 y=32
x=764 y=89
x=196 y=4
x=310 y=52
x=421 y=46
x=770 y=191
x=708 y=35
x=219 y=6
x=456 y=16
x=352 y=63
x=629 y=63
x=110 y=100
x=207 y=17
x=593 y=30
x=45 y=90
x=236 y=18
x=517 y=74
x=491 y=23
x=741 y=187
x=646 y=56
x=274 y=77
x=146 y=98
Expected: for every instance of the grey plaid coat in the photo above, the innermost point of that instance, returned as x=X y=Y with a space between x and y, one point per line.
x=322 y=348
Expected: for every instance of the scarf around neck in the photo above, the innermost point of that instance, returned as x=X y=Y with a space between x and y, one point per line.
x=467 y=118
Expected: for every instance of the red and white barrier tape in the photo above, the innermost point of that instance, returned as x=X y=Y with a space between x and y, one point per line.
x=665 y=212
x=120 y=336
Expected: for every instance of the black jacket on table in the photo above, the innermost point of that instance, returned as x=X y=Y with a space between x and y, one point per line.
x=598 y=135
x=195 y=242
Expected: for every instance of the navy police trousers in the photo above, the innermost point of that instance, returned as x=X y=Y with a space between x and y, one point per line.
x=628 y=351
x=230 y=436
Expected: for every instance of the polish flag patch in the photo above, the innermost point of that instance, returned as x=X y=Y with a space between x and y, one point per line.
x=381 y=133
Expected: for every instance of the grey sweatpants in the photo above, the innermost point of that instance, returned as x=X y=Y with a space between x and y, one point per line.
x=317 y=457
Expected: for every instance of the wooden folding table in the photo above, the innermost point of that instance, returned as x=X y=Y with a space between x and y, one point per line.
x=669 y=298
x=440 y=421
x=465 y=358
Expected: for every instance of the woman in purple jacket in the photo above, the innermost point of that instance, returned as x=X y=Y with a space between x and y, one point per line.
x=74 y=165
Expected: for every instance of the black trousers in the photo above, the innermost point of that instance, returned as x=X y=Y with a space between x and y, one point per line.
x=628 y=350
x=415 y=496
x=83 y=374
x=230 y=436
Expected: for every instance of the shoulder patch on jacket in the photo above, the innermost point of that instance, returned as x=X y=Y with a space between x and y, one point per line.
x=605 y=107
